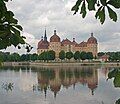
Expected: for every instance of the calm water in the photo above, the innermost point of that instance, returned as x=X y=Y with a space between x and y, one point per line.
x=87 y=85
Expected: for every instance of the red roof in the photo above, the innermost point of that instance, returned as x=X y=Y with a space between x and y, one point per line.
x=66 y=42
x=83 y=44
x=55 y=37
x=92 y=40
x=104 y=56
x=43 y=44
x=77 y=45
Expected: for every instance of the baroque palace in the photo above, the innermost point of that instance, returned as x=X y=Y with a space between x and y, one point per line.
x=57 y=45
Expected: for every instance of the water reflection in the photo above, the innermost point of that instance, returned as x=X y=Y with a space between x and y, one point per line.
x=7 y=86
x=49 y=83
x=55 y=79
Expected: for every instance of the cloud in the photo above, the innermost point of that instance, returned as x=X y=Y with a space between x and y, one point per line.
x=35 y=15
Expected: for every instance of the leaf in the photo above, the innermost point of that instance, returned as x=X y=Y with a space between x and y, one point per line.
x=14 y=40
x=83 y=10
x=6 y=0
x=19 y=27
x=91 y=4
x=100 y=14
x=112 y=73
x=114 y=3
x=15 y=31
x=112 y=14
x=103 y=2
x=76 y=6
x=4 y=43
x=118 y=101
x=117 y=80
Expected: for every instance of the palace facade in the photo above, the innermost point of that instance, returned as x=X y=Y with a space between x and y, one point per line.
x=57 y=45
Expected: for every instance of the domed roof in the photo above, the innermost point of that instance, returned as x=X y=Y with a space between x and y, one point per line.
x=92 y=40
x=55 y=38
x=43 y=44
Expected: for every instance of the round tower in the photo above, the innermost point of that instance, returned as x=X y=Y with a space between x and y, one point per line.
x=92 y=45
x=55 y=44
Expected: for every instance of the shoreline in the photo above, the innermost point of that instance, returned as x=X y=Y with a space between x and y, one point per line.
x=62 y=64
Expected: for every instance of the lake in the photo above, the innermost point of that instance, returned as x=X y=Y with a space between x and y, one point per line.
x=57 y=85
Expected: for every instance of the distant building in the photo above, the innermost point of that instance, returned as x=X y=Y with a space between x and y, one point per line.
x=104 y=58
x=57 y=45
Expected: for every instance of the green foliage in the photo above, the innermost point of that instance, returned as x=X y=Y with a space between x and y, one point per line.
x=116 y=75
x=99 y=6
x=89 y=55
x=100 y=54
x=23 y=57
x=83 y=55
x=77 y=55
x=34 y=56
x=118 y=101
x=62 y=55
x=48 y=55
x=69 y=55
x=113 y=56
x=10 y=30
x=51 y=55
x=14 y=57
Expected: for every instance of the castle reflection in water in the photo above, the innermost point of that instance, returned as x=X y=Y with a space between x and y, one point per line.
x=56 y=78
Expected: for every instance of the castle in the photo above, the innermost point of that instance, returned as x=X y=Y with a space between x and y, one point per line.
x=57 y=45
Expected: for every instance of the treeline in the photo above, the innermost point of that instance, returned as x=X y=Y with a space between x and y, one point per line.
x=113 y=56
x=45 y=56
x=15 y=57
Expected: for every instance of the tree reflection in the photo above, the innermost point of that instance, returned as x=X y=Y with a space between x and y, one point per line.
x=8 y=86
x=115 y=74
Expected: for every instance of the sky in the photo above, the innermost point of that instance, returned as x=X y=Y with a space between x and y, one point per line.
x=36 y=15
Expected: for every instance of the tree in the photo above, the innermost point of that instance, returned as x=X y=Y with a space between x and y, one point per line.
x=100 y=54
x=77 y=55
x=62 y=55
x=10 y=30
x=99 y=6
x=69 y=55
x=83 y=55
x=89 y=55
x=34 y=56
x=15 y=57
x=23 y=57
x=51 y=55
x=1 y=57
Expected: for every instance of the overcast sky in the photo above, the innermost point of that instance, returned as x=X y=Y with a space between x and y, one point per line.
x=35 y=15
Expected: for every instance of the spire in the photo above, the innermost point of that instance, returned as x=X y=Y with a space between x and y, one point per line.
x=45 y=36
x=91 y=34
x=54 y=32
x=73 y=39
x=41 y=37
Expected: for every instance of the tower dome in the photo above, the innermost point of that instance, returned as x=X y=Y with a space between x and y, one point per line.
x=92 y=40
x=43 y=43
x=55 y=37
